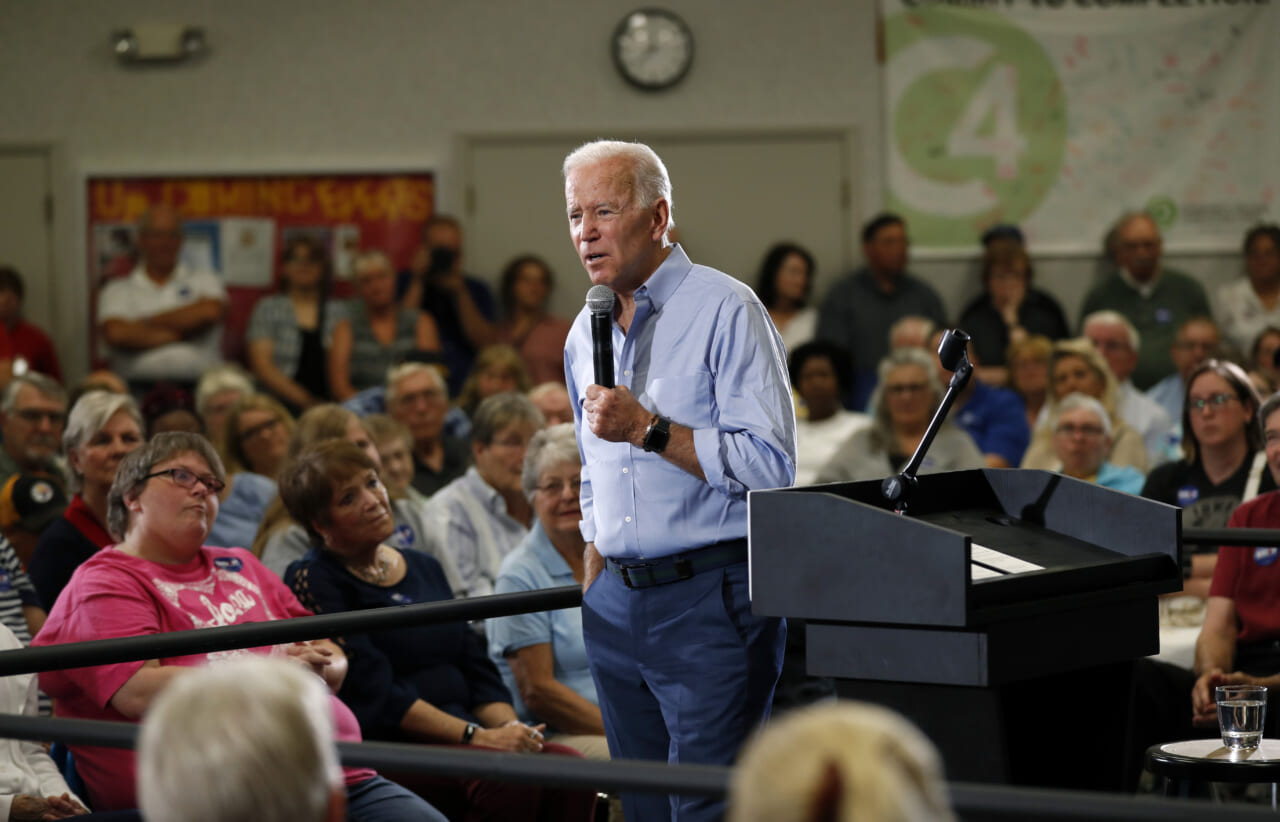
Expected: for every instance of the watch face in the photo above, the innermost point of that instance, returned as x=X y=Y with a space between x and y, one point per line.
x=653 y=48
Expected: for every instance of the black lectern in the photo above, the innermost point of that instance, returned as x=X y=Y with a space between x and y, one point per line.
x=1002 y=614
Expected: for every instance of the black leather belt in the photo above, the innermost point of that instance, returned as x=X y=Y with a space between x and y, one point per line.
x=678 y=567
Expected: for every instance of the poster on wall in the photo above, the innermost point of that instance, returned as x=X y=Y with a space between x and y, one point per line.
x=236 y=226
x=1059 y=115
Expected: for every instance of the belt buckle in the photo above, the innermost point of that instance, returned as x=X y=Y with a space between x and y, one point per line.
x=684 y=569
x=626 y=573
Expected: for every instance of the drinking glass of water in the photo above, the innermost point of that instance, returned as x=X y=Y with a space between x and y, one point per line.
x=1241 y=712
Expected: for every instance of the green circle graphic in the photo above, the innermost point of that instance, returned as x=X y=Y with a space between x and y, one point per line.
x=930 y=108
x=1163 y=210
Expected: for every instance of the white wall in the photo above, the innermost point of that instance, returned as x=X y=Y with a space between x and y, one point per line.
x=325 y=85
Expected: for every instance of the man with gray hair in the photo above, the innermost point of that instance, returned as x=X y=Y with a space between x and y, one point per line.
x=418 y=398
x=1119 y=343
x=701 y=414
x=33 y=411
x=244 y=739
x=163 y=321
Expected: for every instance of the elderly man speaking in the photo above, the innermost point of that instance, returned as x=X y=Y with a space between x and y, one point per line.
x=701 y=414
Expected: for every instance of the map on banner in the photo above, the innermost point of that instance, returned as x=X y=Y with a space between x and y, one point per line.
x=1058 y=115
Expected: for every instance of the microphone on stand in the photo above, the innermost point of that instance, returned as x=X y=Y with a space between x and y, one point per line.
x=953 y=353
x=600 y=303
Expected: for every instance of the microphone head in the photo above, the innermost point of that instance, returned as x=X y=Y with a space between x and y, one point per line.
x=600 y=299
x=952 y=348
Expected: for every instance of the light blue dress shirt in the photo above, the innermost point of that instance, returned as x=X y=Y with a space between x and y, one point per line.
x=534 y=565
x=702 y=351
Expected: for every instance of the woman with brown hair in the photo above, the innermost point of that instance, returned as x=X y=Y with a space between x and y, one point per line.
x=526 y=324
x=497 y=370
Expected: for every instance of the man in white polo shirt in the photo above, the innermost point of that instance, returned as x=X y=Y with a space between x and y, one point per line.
x=163 y=321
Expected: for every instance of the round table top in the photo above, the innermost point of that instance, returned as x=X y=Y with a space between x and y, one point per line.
x=1208 y=760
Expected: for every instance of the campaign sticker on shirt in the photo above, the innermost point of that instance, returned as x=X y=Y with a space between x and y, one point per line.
x=1264 y=556
x=401 y=598
x=229 y=563
x=405 y=535
x=6 y=583
x=1188 y=494
x=184 y=292
x=1164 y=316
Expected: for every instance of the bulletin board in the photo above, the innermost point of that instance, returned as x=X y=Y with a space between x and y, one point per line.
x=236 y=226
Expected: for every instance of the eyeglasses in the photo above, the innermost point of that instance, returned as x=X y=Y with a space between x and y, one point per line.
x=250 y=433
x=1070 y=430
x=1199 y=404
x=187 y=479
x=906 y=388
x=556 y=487
x=432 y=395
x=35 y=415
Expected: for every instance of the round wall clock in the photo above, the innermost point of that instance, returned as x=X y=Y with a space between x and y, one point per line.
x=653 y=48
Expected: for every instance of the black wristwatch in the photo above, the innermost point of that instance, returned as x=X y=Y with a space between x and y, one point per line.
x=657 y=434
x=469 y=733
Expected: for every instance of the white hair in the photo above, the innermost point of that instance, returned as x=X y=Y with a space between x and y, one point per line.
x=549 y=447
x=1076 y=400
x=225 y=377
x=1114 y=318
x=398 y=373
x=250 y=738
x=857 y=762
x=649 y=179
x=90 y=415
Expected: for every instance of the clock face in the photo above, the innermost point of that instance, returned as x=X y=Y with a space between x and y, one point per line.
x=653 y=48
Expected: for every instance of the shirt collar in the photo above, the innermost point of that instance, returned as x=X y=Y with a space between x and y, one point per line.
x=1145 y=289
x=664 y=281
x=486 y=493
x=546 y=553
x=82 y=517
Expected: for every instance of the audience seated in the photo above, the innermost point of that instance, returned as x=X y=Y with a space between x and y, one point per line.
x=1238 y=641
x=263 y=726
x=820 y=373
x=290 y=332
x=162 y=578
x=34 y=410
x=1118 y=342
x=100 y=380
x=552 y=399
x=1157 y=300
x=784 y=285
x=481 y=516
x=1197 y=340
x=427 y=683
x=911 y=331
x=31 y=348
x=461 y=304
x=840 y=762
x=859 y=309
x=1075 y=365
x=218 y=390
x=1028 y=363
x=1009 y=309
x=418 y=397
x=526 y=324
x=1082 y=441
x=1247 y=306
x=993 y=417
x=256 y=436
x=167 y=407
x=101 y=430
x=163 y=321
x=242 y=504
x=281 y=540
x=497 y=369
x=907 y=396
x=28 y=504
x=1262 y=353
x=31 y=786
x=1223 y=460
x=377 y=332
x=541 y=656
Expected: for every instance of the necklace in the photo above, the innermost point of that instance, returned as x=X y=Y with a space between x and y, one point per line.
x=377 y=573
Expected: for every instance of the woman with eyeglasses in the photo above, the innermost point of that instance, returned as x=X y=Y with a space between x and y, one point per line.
x=1081 y=442
x=907 y=395
x=1076 y=366
x=290 y=332
x=255 y=436
x=1223 y=460
x=102 y=429
x=161 y=577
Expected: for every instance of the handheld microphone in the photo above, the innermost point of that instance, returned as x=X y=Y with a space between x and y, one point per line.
x=600 y=303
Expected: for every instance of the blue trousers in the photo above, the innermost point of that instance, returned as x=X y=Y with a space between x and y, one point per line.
x=684 y=673
x=381 y=800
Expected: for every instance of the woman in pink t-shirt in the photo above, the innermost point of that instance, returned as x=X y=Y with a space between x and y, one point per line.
x=160 y=578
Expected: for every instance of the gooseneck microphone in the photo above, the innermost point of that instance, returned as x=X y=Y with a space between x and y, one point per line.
x=600 y=303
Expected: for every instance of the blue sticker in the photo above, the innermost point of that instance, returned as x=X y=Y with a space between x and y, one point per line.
x=401 y=598
x=6 y=584
x=1265 y=556
x=1188 y=494
x=184 y=292
x=1164 y=316
x=406 y=536
x=228 y=563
